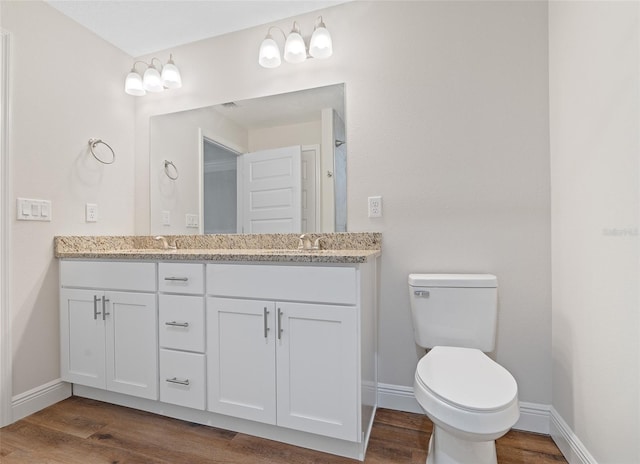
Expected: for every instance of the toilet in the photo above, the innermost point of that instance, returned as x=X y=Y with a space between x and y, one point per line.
x=471 y=399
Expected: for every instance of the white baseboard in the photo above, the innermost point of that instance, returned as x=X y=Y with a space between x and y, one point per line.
x=533 y=417
x=397 y=397
x=570 y=445
x=39 y=398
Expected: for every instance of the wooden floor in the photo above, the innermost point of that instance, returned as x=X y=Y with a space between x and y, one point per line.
x=82 y=431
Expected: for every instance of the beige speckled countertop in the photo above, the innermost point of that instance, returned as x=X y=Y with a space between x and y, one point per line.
x=348 y=248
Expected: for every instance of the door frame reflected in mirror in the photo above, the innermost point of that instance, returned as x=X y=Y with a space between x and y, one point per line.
x=307 y=117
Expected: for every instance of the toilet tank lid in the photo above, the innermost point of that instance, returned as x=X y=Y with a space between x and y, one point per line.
x=453 y=280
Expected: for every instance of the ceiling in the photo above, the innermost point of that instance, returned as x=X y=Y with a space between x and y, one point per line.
x=141 y=27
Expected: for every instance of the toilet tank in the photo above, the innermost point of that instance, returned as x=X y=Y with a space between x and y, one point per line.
x=454 y=310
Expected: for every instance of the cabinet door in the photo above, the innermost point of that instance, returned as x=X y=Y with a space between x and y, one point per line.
x=131 y=344
x=241 y=359
x=82 y=337
x=318 y=369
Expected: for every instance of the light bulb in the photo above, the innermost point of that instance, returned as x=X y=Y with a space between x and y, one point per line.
x=151 y=81
x=295 y=51
x=269 y=56
x=171 y=75
x=133 y=84
x=321 y=45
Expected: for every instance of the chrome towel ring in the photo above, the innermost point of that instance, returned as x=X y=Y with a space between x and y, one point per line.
x=92 y=146
x=167 y=171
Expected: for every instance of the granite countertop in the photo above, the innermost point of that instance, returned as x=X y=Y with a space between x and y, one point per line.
x=347 y=248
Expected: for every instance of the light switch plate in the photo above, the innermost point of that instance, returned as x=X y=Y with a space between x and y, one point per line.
x=28 y=209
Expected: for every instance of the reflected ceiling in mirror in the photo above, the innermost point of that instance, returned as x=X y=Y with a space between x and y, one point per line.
x=214 y=194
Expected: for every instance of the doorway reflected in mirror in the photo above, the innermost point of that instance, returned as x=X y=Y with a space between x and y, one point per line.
x=211 y=146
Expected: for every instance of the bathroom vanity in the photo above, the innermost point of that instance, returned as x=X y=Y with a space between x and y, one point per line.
x=268 y=340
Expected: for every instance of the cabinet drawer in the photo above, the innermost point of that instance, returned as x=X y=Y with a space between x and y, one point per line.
x=113 y=275
x=298 y=283
x=182 y=379
x=181 y=278
x=181 y=322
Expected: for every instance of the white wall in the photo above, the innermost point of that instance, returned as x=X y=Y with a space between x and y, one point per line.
x=66 y=87
x=594 y=58
x=308 y=133
x=447 y=119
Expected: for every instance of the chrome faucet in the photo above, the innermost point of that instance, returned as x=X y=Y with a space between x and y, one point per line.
x=305 y=243
x=165 y=244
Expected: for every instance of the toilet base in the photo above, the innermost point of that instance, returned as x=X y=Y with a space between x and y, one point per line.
x=445 y=448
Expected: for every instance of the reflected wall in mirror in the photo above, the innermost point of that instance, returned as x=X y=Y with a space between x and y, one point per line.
x=274 y=164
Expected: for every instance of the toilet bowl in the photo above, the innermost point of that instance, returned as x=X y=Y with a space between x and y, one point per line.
x=471 y=401
x=470 y=398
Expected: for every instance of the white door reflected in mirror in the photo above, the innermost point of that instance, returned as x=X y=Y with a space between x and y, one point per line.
x=312 y=120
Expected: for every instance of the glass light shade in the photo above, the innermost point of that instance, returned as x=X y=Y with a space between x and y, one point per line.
x=133 y=84
x=151 y=81
x=321 y=45
x=295 y=50
x=171 y=76
x=269 y=56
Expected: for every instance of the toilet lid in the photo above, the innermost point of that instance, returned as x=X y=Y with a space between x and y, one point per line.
x=466 y=378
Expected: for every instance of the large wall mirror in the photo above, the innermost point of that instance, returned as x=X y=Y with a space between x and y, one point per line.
x=274 y=164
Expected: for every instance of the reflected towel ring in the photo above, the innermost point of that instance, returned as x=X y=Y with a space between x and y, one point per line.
x=166 y=170
x=92 y=145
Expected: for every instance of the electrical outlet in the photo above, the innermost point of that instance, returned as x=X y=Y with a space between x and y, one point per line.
x=375 y=206
x=91 y=212
x=192 y=221
x=166 y=218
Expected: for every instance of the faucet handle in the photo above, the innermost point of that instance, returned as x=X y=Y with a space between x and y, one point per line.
x=304 y=243
x=165 y=244
x=316 y=243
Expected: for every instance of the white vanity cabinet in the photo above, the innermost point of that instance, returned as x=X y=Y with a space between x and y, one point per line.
x=283 y=350
x=295 y=364
x=182 y=334
x=108 y=326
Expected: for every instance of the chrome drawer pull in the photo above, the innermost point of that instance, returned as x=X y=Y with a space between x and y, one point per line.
x=266 y=326
x=279 y=324
x=178 y=381
x=104 y=308
x=423 y=293
x=96 y=298
x=177 y=324
x=177 y=279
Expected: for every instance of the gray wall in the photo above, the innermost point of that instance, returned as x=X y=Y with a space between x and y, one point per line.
x=66 y=86
x=595 y=144
x=447 y=119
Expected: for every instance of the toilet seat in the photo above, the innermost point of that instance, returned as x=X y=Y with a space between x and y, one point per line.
x=467 y=379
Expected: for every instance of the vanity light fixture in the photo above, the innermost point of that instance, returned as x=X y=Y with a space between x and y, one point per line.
x=153 y=80
x=295 y=49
